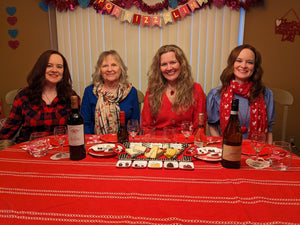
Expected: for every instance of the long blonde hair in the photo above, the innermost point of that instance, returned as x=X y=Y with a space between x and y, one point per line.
x=157 y=83
x=97 y=78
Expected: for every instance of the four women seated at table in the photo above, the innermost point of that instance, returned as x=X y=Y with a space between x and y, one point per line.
x=172 y=95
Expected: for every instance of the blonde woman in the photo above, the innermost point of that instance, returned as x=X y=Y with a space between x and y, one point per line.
x=110 y=93
x=172 y=95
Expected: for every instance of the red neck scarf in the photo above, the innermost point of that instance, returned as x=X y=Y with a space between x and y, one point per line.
x=258 y=109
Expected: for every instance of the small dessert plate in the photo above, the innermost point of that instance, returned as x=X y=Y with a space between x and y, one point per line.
x=171 y=165
x=139 y=164
x=186 y=165
x=123 y=164
x=155 y=164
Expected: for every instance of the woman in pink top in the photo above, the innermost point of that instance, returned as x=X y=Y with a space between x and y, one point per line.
x=172 y=95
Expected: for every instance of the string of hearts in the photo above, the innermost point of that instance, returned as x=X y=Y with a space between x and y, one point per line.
x=116 y=8
x=13 y=33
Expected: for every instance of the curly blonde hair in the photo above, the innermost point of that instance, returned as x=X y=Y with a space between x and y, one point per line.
x=97 y=78
x=157 y=83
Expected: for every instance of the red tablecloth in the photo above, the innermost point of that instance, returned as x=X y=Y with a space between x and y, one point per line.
x=94 y=191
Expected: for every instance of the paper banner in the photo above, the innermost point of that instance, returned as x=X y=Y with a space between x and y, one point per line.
x=137 y=19
x=146 y=20
x=167 y=18
x=108 y=7
x=126 y=16
x=200 y=2
x=116 y=11
x=184 y=10
x=193 y=5
x=156 y=21
x=176 y=14
x=100 y=3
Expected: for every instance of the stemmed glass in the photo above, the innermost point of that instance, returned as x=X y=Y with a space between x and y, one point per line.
x=186 y=129
x=258 y=142
x=133 y=127
x=60 y=134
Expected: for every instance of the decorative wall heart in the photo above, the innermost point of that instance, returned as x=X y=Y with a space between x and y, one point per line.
x=278 y=22
x=44 y=6
x=84 y=3
x=173 y=3
x=12 y=20
x=13 y=33
x=13 y=44
x=11 y=10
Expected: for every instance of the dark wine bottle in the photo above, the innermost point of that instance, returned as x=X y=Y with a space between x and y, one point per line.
x=75 y=126
x=122 y=132
x=200 y=138
x=232 y=139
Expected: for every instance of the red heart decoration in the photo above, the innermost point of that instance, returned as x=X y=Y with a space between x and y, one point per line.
x=12 y=20
x=243 y=129
x=13 y=44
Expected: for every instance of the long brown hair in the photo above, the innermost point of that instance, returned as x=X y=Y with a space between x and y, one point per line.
x=36 y=79
x=256 y=78
x=157 y=83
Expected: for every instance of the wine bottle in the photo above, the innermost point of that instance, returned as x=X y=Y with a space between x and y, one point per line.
x=232 y=139
x=76 y=132
x=200 y=138
x=122 y=132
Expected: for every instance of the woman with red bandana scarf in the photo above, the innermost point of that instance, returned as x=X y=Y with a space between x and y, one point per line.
x=242 y=79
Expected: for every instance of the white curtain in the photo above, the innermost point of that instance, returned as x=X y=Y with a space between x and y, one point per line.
x=206 y=36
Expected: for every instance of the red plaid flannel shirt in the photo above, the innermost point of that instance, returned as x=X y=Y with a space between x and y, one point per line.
x=32 y=118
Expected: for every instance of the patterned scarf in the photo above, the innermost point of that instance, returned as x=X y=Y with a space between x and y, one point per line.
x=107 y=108
x=258 y=109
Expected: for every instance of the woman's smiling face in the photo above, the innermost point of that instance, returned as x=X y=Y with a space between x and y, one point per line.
x=55 y=69
x=243 y=66
x=169 y=66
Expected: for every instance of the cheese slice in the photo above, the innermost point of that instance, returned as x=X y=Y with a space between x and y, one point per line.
x=139 y=148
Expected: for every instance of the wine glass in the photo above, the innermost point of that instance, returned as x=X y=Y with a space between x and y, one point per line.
x=186 y=129
x=60 y=134
x=258 y=142
x=133 y=127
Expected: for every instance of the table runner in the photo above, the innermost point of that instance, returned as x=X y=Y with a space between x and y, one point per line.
x=94 y=191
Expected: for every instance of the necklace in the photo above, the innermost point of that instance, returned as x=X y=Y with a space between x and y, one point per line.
x=172 y=92
x=244 y=128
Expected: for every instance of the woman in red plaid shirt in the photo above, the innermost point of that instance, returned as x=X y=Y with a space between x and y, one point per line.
x=45 y=102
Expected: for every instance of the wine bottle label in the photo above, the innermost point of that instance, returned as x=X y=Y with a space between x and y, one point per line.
x=76 y=135
x=234 y=112
x=232 y=153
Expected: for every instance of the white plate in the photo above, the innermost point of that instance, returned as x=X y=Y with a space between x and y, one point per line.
x=210 y=149
x=139 y=164
x=123 y=163
x=103 y=147
x=212 y=154
x=186 y=165
x=155 y=164
x=171 y=165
